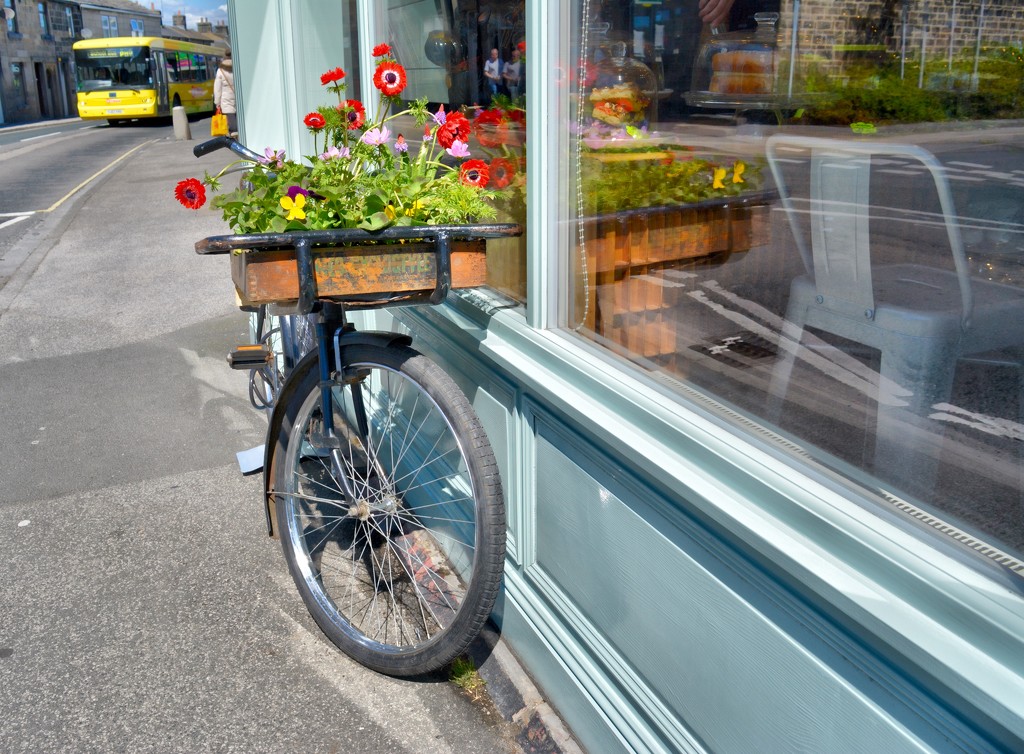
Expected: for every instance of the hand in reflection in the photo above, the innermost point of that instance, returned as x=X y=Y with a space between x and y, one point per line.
x=714 y=12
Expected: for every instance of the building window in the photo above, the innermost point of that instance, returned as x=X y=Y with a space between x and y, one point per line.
x=11 y=17
x=44 y=19
x=862 y=301
x=71 y=21
x=138 y=30
x=109 y=24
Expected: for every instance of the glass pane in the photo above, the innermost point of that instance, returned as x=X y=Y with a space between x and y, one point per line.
x=447 y=49
x=818 y=220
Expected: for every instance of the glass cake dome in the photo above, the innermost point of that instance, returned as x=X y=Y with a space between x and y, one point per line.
x=738 y=68
x=622 y=89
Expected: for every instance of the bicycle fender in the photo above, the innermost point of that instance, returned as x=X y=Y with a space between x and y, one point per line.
x=381 y=338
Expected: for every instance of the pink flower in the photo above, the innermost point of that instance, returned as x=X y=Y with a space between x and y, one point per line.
x=272 y=157
x=334 y=152
x=376 y=136
x=458 y=149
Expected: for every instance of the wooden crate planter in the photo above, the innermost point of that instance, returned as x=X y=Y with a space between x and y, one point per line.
x=628 y=254
x=353 y=271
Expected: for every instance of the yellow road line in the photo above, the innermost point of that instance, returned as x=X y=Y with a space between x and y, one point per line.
x=95 y=175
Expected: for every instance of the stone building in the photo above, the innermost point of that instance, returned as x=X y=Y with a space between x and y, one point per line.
x=37 y=78
x=844 y=31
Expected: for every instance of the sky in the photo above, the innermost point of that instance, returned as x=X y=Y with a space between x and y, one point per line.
x=215 y=10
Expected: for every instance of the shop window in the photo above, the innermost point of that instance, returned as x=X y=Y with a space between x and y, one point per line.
x=794 y=215
x=448 y=53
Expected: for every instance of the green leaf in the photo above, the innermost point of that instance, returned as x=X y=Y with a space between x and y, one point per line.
x=376 y=221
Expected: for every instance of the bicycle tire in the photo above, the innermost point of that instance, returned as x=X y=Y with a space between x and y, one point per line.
x=402 y=575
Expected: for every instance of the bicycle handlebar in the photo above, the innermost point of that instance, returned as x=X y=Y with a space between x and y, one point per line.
x=225 y=142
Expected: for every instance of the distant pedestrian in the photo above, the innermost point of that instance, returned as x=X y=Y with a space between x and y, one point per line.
x=224 y=93
x=511 y=74
x=492 y=72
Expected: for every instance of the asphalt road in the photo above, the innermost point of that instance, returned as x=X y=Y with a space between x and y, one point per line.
x=142 y=607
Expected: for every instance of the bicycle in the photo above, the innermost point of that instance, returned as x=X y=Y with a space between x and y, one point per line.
x=378 y=475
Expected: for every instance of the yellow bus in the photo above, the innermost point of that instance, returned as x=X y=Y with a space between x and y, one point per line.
x=121 y=78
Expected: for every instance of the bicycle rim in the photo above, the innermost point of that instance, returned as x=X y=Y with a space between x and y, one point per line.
x=394 y=530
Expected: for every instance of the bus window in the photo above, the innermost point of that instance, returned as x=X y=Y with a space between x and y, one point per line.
x=107 y=68
x=172 y=67
x=185 y=69
x=201 y=71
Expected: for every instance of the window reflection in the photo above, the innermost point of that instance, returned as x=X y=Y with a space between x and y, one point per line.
x=815 y=214
x=448 y=48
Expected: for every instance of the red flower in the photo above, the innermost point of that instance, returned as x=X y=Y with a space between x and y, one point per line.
x=389 y=78
x=356 y=114
x=332 y=76
x=501 y=171
x=474 y=173
x=191 y=193
x=314 y=121
x=521 y=46
x=455 y=126
x=381 y=50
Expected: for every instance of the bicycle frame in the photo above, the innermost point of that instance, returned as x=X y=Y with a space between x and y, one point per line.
x=333 y=331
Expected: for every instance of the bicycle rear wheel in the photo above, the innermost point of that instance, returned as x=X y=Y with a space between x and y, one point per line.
x=394 y=530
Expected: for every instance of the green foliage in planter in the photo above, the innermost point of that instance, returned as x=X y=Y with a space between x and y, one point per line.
x=612 y=186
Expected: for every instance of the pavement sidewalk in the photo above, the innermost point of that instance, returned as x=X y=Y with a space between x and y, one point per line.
x=163 y=271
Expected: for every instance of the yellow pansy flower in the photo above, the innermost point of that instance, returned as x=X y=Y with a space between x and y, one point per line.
x=294 y=206
x=719 y=177
x=737 y=171
x=416 y=207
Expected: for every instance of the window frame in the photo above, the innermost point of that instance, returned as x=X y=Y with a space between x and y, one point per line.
x=933 y=607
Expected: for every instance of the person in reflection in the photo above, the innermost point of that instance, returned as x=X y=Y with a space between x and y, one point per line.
x=492 y=73
x=511 y=74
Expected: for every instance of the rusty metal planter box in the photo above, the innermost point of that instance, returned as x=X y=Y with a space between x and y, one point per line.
x=353 y=271
x=290 y=271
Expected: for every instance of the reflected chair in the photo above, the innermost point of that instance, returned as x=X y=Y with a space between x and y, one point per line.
x=922 y=319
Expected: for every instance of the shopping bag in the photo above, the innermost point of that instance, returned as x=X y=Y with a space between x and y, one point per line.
x=219 y=124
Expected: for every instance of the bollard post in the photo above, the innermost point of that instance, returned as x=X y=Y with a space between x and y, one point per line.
x=180 y=119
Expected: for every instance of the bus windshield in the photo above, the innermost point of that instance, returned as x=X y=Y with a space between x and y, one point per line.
x=112 y=68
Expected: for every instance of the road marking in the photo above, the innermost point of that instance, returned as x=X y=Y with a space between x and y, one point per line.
x=94 y=176
x=41 y=136
x=14 y=220
x=17 y=214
